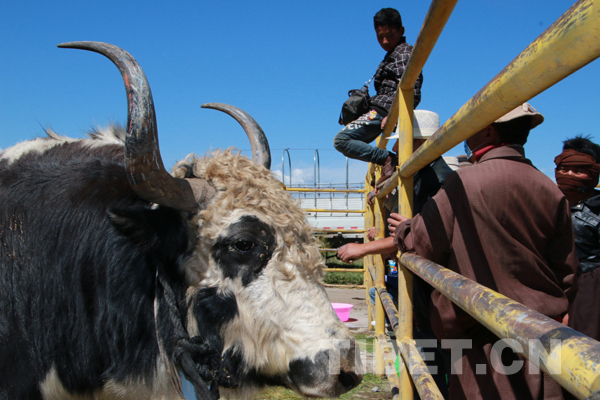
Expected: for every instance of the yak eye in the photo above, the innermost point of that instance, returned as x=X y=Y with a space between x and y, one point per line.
x=243 y=245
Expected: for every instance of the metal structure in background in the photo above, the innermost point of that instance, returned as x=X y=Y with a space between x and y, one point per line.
x=328 y=206
x=285 y=151
x=567 y=45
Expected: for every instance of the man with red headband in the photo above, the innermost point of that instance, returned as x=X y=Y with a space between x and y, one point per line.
x=577 y=172
x=506 y=225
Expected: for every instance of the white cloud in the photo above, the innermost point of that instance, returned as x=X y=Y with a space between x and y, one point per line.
x=355 y=175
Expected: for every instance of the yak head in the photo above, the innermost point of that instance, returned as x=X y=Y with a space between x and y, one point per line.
x=253 y=270
x=257 y=260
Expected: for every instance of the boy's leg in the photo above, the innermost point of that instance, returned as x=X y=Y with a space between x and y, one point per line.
x=352 y=140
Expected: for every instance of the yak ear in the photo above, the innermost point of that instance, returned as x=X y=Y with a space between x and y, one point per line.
x=131 y=223
x=152 y=229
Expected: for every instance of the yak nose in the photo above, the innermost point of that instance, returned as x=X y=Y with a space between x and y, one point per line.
x=351 y=372
x=320 y=377
x=349 y=380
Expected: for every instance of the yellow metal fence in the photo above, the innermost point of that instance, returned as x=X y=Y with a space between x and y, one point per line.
x=567 y=45
x=332 y=231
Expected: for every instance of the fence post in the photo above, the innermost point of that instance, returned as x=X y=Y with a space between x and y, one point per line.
x=379 y=280
x=405 y=204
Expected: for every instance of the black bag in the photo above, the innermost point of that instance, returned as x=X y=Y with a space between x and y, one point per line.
x=356 y=105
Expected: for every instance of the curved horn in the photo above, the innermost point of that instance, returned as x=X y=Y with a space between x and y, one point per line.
x=145 y=170
x=261 y=153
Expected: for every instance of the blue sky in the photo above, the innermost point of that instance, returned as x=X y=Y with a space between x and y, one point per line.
x=289 y=64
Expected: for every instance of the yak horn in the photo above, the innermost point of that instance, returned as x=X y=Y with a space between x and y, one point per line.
x=261 y=153
x=145 y=170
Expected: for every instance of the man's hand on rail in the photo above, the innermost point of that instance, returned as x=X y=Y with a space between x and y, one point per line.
x=371 y=196
x=394 y=220
x=350 y=252
x=371 y=233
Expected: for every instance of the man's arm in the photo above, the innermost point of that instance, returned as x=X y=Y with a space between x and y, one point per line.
x=353 y=251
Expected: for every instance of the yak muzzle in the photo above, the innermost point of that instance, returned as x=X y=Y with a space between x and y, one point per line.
x=331 y=373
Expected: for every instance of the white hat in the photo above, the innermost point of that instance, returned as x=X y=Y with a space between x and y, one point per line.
x=524 y=110
x=425 y=123
x=452 y=162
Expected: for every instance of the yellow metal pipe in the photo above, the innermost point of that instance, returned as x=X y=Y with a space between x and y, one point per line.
x=388 y=306
x=435 y=20
x=389 y=361
x=343 y=270
x=330 y=285
x=389 y=186
x=405 y=202
x=339 y=230
x=379 y=280
x=419 y=372
x=334 y=211
x=325 y=190
x=571 y=358
x=411 y=357
x=371 y=274
x=405 y=150
x=567 y=45
x=368 y=261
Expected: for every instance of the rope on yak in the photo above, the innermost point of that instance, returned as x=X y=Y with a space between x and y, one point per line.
x=185 y=348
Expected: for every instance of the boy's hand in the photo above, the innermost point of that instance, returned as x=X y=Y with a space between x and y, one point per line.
x=394 y=220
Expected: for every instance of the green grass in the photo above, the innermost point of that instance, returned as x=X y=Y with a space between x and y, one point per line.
x=363 y=391
x=344 y=278
x=366 y=341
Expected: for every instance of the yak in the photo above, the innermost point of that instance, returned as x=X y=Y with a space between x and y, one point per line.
x=117 y=276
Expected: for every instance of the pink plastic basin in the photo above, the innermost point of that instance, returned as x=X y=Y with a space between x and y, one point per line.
x=342 y=310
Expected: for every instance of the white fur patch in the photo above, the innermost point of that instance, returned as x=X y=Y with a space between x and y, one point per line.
x=53 y=389
x=39 y=145
x=110 y=135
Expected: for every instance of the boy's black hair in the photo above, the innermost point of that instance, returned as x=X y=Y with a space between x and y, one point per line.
x=583 y=145
x=388 y=17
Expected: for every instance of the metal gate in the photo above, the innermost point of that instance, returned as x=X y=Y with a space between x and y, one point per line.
x=569 y=44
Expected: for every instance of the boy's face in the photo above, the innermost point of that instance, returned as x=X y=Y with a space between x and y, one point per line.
x=388 y=37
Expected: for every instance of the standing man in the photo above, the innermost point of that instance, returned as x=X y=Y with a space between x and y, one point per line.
x=352 y=141
x=426 y=183
x=506 y=225
x=577 y=172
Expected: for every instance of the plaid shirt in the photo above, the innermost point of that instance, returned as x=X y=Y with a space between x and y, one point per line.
x=388 y=75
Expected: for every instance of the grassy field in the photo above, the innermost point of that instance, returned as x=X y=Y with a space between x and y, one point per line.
x=343 y=278
x=363 y=391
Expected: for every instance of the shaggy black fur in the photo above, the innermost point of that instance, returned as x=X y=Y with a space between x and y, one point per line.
x=79 y=251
